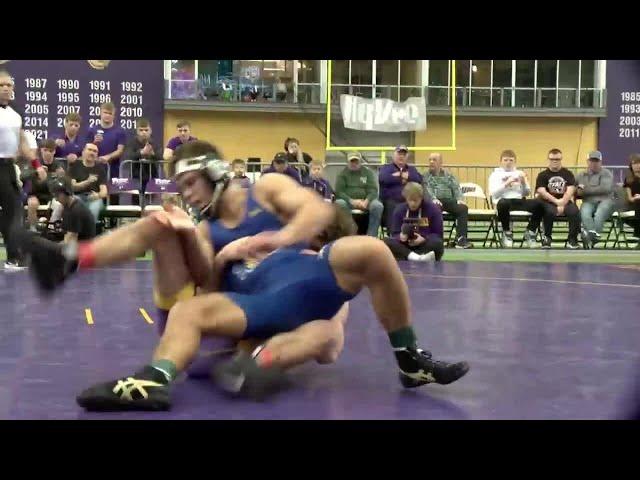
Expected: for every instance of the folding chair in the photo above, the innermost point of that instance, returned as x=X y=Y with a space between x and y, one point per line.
x=617 y=228
x=487 y=214
x=155 y=189
x=122 y=186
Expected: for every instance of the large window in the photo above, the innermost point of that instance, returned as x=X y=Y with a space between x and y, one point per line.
x=438 y=91
x=182 y=83
x=525 y=83
x=480 y=83
x=588 y=97
x=309 y=81
x=502 y=83
x=547 y=80
x=394 y=79
x=568 y=83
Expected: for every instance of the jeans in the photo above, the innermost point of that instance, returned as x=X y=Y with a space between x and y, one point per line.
x=94 y=206
x=375 y=215
x=594 y=214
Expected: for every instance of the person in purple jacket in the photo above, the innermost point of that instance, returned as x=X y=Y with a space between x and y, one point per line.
x=110 y=140
x=392 y=178
x=280 y=164
x=69 y=146
x=184 y=136
x=416 y=227
x=316 y=182
x=109 y=137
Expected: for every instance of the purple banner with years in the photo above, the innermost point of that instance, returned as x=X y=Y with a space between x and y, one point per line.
x=47 y=90
x=619 y=131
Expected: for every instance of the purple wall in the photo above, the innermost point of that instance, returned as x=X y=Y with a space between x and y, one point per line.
x=46 y=90
x=619 y=131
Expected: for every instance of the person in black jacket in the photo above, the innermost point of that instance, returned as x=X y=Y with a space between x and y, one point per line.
x=141 y=148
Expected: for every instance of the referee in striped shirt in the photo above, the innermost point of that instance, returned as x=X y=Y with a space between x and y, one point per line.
x=12 y=143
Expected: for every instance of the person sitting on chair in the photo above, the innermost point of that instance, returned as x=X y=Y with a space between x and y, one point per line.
x=357 y=190
x=444 y=190
x=416 y=227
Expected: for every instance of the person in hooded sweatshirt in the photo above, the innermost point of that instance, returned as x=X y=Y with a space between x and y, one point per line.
x=508 y=188
x=317 y=182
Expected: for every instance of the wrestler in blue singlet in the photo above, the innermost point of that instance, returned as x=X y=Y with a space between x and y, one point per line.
x=287 y=289
x=256 y=220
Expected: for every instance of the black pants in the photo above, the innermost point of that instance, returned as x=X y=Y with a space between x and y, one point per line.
x=570 y=211
x=387 y=214
x=460 y=213
x=533 y=206
x=401 y=250
x=12 y=213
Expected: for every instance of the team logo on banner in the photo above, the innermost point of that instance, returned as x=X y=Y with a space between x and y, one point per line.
x=99 y=64
x=383 y=115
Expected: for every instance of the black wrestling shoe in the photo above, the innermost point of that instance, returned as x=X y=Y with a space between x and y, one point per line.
x=144 y=390
x=48 y=264
x=417 y=368
x=242 y=376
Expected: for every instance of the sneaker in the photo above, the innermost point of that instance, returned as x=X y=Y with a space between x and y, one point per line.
x=15 y=266
x=242 y=376
x=462 y=242
x=529 y=238
x=573 y=244
x=546 y=242
x=586 y=239
x=594 y=238
x=428 y=257
x=507 y=239
x=145 y=390
x=49 y=266
x=417 y=368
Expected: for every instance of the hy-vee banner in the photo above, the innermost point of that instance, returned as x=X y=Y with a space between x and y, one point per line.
x=383 y=115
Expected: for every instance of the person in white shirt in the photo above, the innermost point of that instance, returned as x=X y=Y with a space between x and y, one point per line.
x=509 y=188
x=13 y=143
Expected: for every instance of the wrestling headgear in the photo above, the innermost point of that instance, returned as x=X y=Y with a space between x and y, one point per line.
x=218 y=171
x=60 y=185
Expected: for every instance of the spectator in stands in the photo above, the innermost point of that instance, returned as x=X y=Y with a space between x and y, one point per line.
x=508 y=188
x=296 y=156
x=39 y=193
x=70 y=145
x=239 y=167
x=632 y=188
x=357 y=189
x=142 y=148
x=317 y=182
x=444 y=190
x=416 y=227
x=280 y=164
x=184 y=136
x=77 y=220
x=595 y=187
x=392 y=178
x=89 y=180
x=556 y=187
x=109 y=138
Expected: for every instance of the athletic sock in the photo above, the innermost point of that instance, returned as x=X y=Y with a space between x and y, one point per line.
x=403 y=338
x=167 y=368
